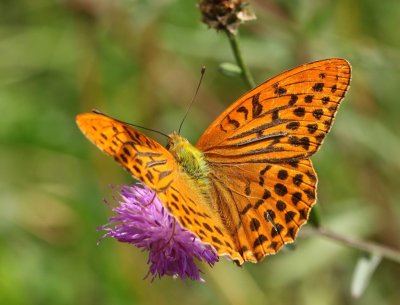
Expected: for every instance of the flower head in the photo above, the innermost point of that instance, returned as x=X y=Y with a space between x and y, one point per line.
x=142 y=220
x=225 y=14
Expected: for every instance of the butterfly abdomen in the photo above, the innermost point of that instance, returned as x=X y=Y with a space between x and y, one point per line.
x=191 y=161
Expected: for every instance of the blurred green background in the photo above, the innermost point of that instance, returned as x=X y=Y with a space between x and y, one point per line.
x=139 y=61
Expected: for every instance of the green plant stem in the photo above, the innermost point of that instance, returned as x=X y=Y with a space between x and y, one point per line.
x=365 y=246
x=247 y=77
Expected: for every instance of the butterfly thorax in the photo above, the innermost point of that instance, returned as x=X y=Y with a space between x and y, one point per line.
x=190 y=159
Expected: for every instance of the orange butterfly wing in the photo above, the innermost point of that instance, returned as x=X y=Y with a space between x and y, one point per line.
x=264 y=204
x=151 y=163
x=283 y=119
x=263 y=183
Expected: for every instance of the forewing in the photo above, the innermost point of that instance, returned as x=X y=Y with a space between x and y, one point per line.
x=284 y=119
x=144 y=158
x=150 y=163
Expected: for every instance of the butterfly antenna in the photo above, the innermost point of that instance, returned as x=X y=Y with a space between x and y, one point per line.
x=133 y=125
x=203 y=70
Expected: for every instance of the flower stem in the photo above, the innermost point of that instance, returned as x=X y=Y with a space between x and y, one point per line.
x=365 y=246
x=247 y=77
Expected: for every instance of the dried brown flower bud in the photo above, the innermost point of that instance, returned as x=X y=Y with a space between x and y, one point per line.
x=225 y=14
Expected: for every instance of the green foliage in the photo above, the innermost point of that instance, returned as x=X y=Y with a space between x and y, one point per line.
x=139 y=61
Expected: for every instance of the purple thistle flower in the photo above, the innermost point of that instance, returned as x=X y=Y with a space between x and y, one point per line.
x=142 y=220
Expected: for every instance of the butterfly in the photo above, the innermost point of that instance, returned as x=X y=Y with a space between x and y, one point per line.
x=248 y=185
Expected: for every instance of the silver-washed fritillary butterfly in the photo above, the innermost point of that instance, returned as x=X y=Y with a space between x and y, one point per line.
x=248 y=184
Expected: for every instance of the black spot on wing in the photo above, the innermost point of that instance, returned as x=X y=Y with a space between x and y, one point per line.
x=280 y=91
x=308 y=98
x=243 y=110
x=293 y=99
x=256 y=105
x=318 y=87
x=235 y=123
x=299 y=111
